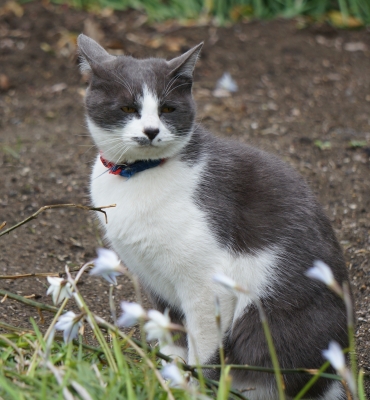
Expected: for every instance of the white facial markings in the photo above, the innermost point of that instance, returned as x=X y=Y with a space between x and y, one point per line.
x=149 y=111
x=120 y=144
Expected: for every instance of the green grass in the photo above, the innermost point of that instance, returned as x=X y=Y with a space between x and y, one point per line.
x=76 y=364
x=231 y=10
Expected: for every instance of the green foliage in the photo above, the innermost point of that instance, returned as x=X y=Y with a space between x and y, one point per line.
x=322 y=145
x=77 y=364
x=342 y=13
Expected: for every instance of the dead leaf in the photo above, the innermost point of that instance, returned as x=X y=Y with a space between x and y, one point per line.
x=67 y=43
x=341 y=21
x=175 y=43
x=93 y=30
x=240 y=11
x=58 y=87
x=154 y=43
x=4 y=82
x=136 y=39
x=46 y=47
x=12 y=7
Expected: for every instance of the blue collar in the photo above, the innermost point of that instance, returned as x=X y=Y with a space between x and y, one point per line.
x=129 y=170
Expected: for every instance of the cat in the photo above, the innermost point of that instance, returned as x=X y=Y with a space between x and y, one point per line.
x=190 y=205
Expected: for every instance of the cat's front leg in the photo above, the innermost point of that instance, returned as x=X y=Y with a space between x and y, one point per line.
x=201 y=324
x=175 y=352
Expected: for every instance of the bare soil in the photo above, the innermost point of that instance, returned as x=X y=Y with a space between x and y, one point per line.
x=297 y=85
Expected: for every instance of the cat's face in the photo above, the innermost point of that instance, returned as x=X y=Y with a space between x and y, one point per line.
x=138 y=109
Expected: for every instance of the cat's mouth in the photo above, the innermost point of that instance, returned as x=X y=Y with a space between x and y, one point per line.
x=142 y=141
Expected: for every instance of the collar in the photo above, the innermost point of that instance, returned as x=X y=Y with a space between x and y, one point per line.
x=129 y=170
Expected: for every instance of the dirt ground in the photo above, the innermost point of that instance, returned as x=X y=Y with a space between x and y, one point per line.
x=304 y=94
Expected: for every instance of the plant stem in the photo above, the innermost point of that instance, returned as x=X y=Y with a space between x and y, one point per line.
x=313 y=372
x=270 y=343
x=111 y=305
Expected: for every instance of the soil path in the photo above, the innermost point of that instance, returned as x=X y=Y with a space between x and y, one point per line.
x=304 y=94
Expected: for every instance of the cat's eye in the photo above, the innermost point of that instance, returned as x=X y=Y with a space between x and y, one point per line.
x=167 y=109
x=129 y=110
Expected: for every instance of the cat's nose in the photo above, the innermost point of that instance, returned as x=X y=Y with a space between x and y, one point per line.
x=151 y=132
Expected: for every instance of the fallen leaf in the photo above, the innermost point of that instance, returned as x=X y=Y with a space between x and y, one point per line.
x=4 y=82
x=341 y=21
x=12 y=7
x=136 y=39
x=175 y=43
x=46 y=47
x=67 y=43
x=93 y=30
x=240 y=11
x=155 y=42
x=58 y=87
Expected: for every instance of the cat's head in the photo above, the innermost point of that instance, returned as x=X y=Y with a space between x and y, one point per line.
x=138 y=109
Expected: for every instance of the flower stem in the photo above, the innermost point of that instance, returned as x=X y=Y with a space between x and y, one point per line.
x=270 y=343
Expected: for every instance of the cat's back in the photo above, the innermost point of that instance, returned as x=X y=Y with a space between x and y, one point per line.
x=254 y=200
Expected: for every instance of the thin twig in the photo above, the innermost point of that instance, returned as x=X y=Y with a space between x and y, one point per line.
x=2 y=225
x=35 y=215
x=32 y=275
x=42 y=274
x=29 y=302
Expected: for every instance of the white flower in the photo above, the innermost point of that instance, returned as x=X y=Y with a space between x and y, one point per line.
x=226 y=82
x=159 y=326
x=59 y=288
x=335 y=356
x=132 y=312
x=69 y=323
x=107 y=265
x=321 y=272
x=224 y=280
x=172 y=373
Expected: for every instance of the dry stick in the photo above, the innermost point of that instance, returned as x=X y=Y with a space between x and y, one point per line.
x=2 y=225
x=32 y=303
x=32 y=275
x=35 y=215
x=40 y=274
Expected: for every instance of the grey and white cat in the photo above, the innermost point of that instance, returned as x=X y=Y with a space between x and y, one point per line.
x=209 y=205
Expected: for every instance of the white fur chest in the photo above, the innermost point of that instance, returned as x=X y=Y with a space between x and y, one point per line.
x=162 y=236
x=156 y=228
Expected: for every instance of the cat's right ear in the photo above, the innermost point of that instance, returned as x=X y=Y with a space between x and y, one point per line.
x=184 y=64
x=91 y=54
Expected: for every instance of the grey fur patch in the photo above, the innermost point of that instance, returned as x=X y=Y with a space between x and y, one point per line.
x=253 y=200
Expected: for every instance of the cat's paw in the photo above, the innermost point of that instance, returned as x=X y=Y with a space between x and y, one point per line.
x=175 y=352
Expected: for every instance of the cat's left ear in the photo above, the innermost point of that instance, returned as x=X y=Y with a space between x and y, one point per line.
x=91 y=53
x=184 y=64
